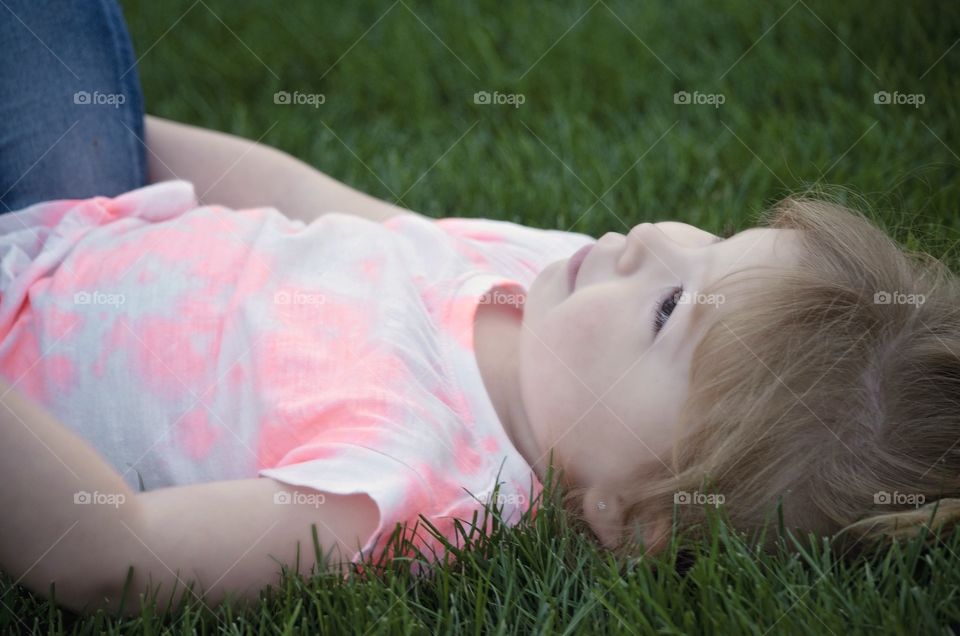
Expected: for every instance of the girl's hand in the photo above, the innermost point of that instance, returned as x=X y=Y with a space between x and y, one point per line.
x=67 y=518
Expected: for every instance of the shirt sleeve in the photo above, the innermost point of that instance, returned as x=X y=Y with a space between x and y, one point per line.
x=346 y=469
x=402 y=492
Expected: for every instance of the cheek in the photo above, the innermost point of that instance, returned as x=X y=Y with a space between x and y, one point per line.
x=569 y=357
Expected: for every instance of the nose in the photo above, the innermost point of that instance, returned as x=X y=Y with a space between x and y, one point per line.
x=646 y=242
x=611 y=238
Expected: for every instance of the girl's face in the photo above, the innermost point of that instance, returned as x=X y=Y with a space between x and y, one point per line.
x=606 y=347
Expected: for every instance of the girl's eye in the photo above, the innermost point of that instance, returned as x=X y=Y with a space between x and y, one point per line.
x=665 y=308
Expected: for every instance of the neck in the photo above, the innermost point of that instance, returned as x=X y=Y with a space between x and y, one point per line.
x=496 y=346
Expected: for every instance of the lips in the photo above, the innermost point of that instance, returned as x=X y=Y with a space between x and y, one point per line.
x=574 y=263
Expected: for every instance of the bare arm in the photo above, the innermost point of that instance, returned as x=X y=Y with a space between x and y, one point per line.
x=224 y=536
x=240 y=173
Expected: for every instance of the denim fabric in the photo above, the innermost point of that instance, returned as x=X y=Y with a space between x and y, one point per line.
x=71 y=109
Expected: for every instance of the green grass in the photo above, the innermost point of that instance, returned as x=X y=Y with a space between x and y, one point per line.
x=598 y=145
x=545 y=578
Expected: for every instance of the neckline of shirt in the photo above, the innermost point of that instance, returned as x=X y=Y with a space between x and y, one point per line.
x=463 y=360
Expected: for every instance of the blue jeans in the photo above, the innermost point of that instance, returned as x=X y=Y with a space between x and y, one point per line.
x=71 y=110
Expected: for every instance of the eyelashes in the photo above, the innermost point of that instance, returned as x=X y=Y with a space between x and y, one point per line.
x=666 y=305
x=665 y=308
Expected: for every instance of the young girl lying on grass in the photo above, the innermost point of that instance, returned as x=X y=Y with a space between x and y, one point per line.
x=189 y=388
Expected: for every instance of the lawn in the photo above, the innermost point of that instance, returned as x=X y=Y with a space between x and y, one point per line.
x=592 y=117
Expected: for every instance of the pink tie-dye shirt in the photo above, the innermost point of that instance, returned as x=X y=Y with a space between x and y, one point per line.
x=191 y=344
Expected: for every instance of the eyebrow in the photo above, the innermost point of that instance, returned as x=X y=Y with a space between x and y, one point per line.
x=698 y=313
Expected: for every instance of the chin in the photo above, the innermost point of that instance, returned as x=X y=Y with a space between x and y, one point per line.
x=545 y=275
x=545 y=290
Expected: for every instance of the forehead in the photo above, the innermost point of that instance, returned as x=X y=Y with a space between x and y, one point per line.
x=756 y=248
x=759 y=246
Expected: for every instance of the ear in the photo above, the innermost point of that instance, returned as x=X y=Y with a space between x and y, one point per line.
x=656 y=535
x=604 y=510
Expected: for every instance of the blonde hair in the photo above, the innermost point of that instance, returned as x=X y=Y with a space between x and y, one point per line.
x=830 y=388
